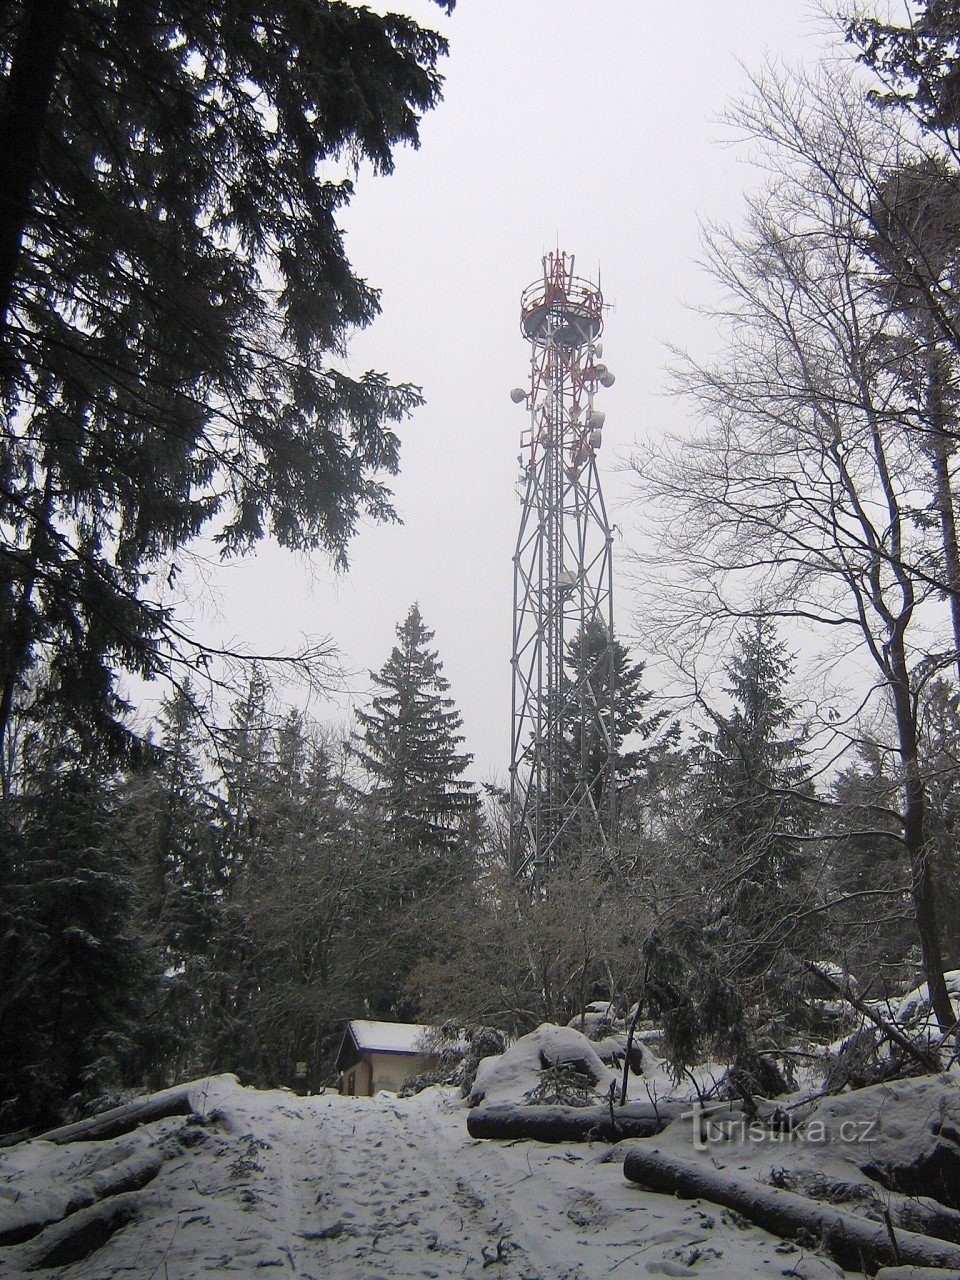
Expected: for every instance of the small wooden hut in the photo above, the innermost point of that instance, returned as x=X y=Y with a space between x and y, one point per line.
x=382 y=1055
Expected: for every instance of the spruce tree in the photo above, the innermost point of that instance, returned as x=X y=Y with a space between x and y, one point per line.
x=175 y=300
x=301 y=905
x=614 y=699
x=75 y=976
x=417 y=821
x=409 y=747
x=754 y=794
x=173 y=817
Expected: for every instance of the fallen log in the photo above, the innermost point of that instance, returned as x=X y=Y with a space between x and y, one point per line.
x=79 y=1235
x=854 y=1243
x=934 y=1172
x=11 y=1139
x=118 y=1120
x=22 y=1219
x=922 y=1215
x=26 y=1217
x=570 y=1124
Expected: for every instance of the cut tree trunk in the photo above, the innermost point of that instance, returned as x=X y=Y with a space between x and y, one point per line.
x=79 y=1235
x=934 y=1173
x=855 y=1243
x=11 y=1139
x=110 y=1124
x=570 y=1124
x=921 y=1214
x=20 y=1221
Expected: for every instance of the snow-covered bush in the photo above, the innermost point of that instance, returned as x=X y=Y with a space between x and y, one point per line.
x=553 y=1061
x=598 y=1020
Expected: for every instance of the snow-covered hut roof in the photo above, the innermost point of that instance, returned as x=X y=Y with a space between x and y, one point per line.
x=365 y=1036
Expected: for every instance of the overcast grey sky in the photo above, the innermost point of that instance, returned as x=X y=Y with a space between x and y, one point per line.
x=592 y=126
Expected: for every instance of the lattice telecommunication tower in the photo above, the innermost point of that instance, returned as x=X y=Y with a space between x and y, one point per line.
x=562 y=763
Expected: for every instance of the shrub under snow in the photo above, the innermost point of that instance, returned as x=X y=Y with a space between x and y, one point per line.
x=549 y=1059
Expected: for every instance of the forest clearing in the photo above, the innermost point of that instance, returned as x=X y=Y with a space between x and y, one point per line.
x=542 y=860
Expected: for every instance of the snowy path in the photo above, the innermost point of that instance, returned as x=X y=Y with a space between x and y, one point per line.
x=333 y=1188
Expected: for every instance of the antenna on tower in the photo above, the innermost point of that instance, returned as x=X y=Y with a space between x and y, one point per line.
x=563 y=739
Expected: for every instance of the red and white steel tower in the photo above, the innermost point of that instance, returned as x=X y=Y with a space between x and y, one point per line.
x=562 y=764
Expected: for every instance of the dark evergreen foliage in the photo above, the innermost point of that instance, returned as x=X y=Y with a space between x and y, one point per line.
x=285 y=956
x=179 y=295
x=173 y=818
x=601 y=663
x=419 y=815
x=220 y=911
x=76 y=979
x=754 y=810
x=687 y=987
x=409 y=747
x=919 y=60
x=872 y=917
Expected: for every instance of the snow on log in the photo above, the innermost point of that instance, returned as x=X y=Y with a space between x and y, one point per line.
x=855 y=1243
x=11 y=1139
x=934 y=1172
x=910 y=1134
x=920 y=1214
x=79 y=1235
x=119 y=1120
x=181 y=1100
x=28 y=1215
x=569 y=1124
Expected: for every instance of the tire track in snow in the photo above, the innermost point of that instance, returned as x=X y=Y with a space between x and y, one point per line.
x=401 y=1208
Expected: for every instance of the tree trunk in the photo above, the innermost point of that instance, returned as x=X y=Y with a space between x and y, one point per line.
x=79 y=1235
x=857 y=1244
x=914 y=836
x=23 y=117
x=926 y=1057
x=110 y=1124
x=940 y=450
x=36 y=1213
x=570 y=1124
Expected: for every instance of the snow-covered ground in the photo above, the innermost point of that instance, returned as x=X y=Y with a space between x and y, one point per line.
x=333 y=1188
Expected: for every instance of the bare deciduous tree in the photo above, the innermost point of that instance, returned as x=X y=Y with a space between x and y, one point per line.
x=802 y=494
